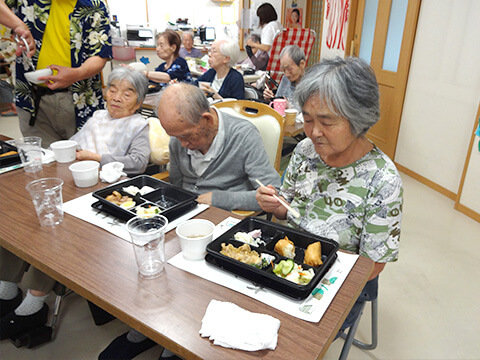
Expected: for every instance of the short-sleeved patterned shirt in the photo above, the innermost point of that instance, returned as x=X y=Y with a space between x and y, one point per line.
x=89 y=36
x=359 y=205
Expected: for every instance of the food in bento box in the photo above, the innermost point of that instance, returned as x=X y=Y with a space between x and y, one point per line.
x=243 y=253
x=121 y=200
x=147 y=211
x=253 y=237
x=285 y=247
x=313 y=254
x=133 y=190
x=293 y=272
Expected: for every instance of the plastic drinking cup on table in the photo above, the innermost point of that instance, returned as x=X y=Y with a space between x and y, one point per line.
x=194 y=236
x=279 y=105
x=148 y=239
x=30 y=151
x=46 y=195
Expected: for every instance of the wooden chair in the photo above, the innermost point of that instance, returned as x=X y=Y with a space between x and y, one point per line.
x=304 y=38
x=269 y=123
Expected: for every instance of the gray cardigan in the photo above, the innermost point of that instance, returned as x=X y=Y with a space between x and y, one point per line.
x=231 y=176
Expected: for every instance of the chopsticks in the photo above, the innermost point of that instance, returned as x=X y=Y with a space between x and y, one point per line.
x=294 y=212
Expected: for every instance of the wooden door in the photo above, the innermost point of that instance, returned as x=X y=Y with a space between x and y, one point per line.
x=382 y=32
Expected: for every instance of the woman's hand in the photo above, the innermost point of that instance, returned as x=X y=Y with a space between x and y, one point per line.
x=268 y=203
x=210 y=92
x=267 y=93
x=88 y=155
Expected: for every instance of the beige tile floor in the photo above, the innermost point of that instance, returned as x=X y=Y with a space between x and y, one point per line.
x=428 y=300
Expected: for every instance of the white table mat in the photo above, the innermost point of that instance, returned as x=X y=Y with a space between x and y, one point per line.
x=311 y=309
x=81 y=208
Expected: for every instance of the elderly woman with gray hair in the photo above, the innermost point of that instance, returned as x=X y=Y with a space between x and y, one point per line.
x=119 y=133
x=225 y=82
x=344 y=187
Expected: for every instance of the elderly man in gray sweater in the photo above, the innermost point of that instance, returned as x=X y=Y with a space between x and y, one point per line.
x=212 y=153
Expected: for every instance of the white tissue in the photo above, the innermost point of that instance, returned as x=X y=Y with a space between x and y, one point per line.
x=111 y=172
x=230 y=326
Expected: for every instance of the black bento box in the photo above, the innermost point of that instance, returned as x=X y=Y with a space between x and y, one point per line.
x=8 y=160
x=271 y=233
x=172 y=200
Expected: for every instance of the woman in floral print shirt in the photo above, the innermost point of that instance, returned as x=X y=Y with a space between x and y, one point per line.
x=343 y=186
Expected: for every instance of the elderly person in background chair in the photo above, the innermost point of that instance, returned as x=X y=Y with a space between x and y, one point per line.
x=344 y=187
x=226 y=82
x=174 y=67
x=118 y=133
x=257 y=59
x=292 y=63
x=187 y=50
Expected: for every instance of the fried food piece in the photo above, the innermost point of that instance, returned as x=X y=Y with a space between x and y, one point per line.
x=117 y=198
x=243 y=253
x=9 y=153
x=313 y=254
x=285 y=247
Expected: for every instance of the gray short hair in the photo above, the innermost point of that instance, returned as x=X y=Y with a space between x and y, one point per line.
x=348 y=87
x=190 y=102
x=295 y=53
x=255 y=38
x=134 y=77
x=188 y=33
x=231 y=49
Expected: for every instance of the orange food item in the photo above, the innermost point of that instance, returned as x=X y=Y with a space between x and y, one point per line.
x=9 y=153
x=313 y=254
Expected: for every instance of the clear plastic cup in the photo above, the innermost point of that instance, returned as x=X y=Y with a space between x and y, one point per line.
x=46 y=195
x=148 y=239
x=30 y=151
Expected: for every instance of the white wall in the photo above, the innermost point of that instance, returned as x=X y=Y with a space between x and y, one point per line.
x=443 y=93
x=198 y=12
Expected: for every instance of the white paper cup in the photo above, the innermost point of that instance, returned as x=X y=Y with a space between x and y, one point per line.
x=46 y=195
x=194 y=236
x=30 y=151
x=85 y=173
x=32 y=76
x=138 y=66
x=64 y=150
x=290 y=116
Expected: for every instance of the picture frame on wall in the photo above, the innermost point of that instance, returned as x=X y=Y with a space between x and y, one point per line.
x=294 y=17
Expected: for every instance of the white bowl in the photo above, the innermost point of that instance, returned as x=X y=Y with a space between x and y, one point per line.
x=85 y=173
x=138 y=66
x=194 y=236
x=64 y=150
x=32 y=76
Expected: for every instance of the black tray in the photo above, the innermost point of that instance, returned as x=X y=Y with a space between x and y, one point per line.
x=8 y=160
x=173 y=201
x=271 y=233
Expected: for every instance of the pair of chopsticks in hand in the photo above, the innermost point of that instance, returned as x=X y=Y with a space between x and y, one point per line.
x=289 y=208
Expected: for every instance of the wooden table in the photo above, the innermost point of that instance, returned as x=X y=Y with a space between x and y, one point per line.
x=101 y=267
x=294 y=130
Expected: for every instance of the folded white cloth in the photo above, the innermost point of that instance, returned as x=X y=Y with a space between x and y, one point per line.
x=230 y=326
x=47 y=156
x=111 y=172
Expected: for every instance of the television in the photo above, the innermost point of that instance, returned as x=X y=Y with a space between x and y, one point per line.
x=207 y=33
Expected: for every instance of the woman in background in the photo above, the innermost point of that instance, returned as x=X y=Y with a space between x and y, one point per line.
x=174 y=67
x=225 y=81
x=269 y=25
